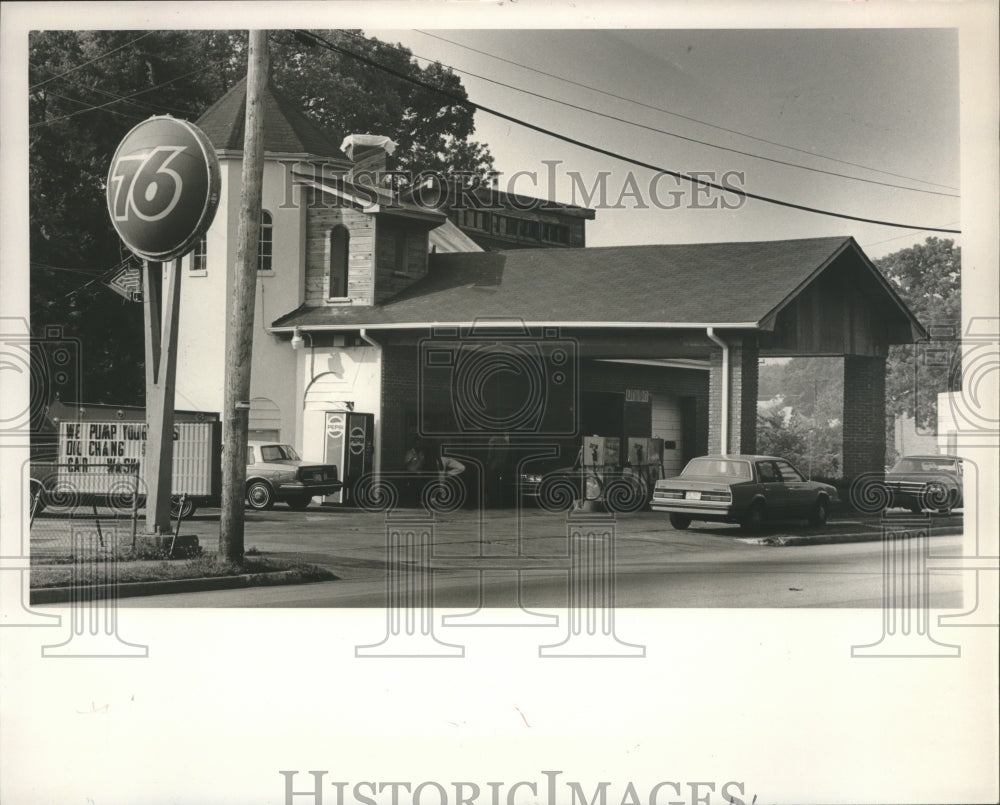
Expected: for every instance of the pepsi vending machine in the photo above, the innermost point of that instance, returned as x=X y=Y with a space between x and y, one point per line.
x=350 y=444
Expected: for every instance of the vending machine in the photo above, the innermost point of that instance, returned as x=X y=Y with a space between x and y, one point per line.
x=350 y=444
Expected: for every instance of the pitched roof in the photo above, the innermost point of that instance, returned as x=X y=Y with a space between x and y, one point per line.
x=697 y=284
x=286 y=129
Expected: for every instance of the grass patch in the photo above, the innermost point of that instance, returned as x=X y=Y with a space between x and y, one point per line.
x=131 y=571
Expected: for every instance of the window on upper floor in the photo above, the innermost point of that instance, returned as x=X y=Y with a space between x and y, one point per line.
x=266 y=243
x=199 y=256
x=339 y=244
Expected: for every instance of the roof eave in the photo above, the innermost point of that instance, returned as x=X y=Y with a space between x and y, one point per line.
x=278 y=329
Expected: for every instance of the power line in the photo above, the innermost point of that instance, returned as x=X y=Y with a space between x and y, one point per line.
x=683 y=116
x=87 y=106
x=96 y=58
x=138 y=104
x=118 y=99
x=689 y=139
x=85 y=271
x=606 y=152
x=898 y=237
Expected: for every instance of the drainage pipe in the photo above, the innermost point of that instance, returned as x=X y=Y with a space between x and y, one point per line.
x=724 y=425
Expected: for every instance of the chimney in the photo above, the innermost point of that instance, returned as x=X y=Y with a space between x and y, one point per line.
x=368 y=152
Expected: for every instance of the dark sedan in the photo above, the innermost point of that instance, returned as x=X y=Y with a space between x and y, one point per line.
x=926 y=482
x=749 y=490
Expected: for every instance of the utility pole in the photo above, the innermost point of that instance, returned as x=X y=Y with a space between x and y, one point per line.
x=239 y=329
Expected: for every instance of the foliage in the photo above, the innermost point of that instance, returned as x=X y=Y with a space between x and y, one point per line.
x=88 y=88
x=928 y=277
x=815 y=450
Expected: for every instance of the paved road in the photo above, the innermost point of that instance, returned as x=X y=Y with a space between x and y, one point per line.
x=655 y=566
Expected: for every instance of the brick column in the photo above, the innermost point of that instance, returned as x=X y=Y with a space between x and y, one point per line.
x=743 y=374
x=864 y=415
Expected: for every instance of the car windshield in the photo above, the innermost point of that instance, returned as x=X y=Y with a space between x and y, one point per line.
x=930 y=464
x=720 y=467
x=278 y=452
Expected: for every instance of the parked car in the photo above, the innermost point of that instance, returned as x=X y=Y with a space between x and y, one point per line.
x=276 y=473
x=749 y=490
x=620 y=490
x=926 y=482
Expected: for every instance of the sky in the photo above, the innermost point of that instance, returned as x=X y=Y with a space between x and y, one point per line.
x=885 y=100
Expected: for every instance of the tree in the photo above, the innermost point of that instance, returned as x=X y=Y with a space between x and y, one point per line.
x=812 y=390
x=88 y=88
x=431 y=129
x=928 y=277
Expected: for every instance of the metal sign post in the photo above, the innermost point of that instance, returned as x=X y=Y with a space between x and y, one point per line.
x=160 y=311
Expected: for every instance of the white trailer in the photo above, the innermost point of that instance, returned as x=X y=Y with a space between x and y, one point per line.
x=100 y=450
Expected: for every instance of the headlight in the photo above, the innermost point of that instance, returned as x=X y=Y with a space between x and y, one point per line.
x=592 y=487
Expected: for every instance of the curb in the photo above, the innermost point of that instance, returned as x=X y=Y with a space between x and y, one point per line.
x=66 y=594
x=830 y=539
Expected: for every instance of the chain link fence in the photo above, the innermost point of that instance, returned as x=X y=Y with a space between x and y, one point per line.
x=65 y=502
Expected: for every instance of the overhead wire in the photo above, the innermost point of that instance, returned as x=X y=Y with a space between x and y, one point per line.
x=689 y=139
x=95 y=59
x=324 y=43
x=118 y=99
x=682 y=116
x=159 y=108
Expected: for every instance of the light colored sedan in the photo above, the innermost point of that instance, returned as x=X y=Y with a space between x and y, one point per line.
x=749 y=490
x=276 y=473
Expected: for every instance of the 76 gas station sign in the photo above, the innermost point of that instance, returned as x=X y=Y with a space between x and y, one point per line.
x=163 y=188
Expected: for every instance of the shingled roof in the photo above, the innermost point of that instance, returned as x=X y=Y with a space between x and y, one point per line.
x=286 y=129
x=698 y=284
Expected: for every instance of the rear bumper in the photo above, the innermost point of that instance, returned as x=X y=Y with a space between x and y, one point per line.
x=715 y=512
x=296 y=489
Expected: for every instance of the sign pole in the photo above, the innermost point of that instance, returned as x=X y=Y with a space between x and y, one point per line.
x=161 y=307
x=162 y=193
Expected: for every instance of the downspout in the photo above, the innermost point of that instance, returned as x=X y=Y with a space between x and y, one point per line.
x=377 y=462
x=724 y=425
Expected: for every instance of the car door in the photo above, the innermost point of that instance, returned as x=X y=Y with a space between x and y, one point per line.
x=772 y=486
x=799 y=495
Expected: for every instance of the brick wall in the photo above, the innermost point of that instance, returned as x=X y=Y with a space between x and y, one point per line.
x=743 y=382
x=864 y=415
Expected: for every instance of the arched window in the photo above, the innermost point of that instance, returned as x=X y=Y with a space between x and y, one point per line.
x=265 y=246
x=340 y=239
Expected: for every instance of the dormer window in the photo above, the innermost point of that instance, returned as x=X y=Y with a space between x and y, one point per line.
x=339 y=242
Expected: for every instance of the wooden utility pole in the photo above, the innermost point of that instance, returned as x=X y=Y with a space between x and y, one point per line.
x=239 y=331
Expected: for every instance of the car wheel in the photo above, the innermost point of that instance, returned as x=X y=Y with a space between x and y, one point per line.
x=820 y=512
x=680 y=521
x=299 y=504
x=754 y=519
x=185 y=510
x=260 y=496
